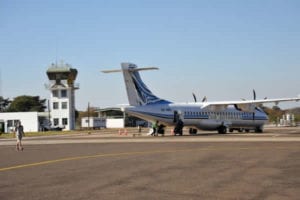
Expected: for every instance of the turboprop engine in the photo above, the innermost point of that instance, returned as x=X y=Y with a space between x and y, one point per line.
x=246 y=107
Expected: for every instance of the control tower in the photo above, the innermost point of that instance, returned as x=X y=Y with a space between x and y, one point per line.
x=62 y=101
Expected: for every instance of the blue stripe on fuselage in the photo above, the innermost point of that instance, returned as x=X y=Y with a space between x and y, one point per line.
x=193 y=117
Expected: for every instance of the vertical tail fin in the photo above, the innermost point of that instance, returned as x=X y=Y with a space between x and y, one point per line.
x=137 y=91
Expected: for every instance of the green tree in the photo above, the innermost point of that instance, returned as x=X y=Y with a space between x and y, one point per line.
x=91 y=111
x=4 y=103
x=274 y=113
x=27 y=103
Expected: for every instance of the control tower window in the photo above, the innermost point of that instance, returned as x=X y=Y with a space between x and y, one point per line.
x=64 y=93
x=55 y=93
x=64 y=105
x=65 y=121
x=55 y=121
x=55 y=105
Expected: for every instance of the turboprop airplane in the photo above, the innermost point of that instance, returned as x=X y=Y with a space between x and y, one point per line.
x=222 y=116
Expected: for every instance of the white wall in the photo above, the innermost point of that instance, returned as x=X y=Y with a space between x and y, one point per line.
x=93 y=122
x=28 y=119
x=115 y=123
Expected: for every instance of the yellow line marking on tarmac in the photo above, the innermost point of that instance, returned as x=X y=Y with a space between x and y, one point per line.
x=129 y=154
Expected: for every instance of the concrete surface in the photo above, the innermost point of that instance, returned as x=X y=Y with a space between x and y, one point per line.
x=110 y=166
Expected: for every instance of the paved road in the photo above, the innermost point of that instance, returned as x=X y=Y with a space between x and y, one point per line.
x=204 y=167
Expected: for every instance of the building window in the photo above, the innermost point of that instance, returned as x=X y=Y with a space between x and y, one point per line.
x=65 y=121
x=55 y=105
x=55 y=121
x=55 y=93
x=12 y=123
x=63 y=93
x=64 y=105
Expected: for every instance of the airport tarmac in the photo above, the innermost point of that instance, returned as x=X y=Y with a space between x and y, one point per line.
x=112 y=166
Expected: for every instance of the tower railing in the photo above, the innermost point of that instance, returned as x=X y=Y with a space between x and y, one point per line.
x=48 y=86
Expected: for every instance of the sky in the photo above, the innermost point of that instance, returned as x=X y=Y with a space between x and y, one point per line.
x=222 y=49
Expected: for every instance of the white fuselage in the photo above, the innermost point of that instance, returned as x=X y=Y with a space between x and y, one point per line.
x=193 y=115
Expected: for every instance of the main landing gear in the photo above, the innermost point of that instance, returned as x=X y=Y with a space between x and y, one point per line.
x=222 y=130
x=193 y=131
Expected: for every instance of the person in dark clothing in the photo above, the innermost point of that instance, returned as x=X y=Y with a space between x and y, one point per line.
x=19 y=131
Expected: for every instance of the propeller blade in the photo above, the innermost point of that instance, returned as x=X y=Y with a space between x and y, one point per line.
x=254 y=95
x=237 y=108
x=204 y=99
x=254 y=98
x=195 y=98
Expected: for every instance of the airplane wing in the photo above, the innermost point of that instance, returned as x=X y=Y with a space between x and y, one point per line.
x=246 y=105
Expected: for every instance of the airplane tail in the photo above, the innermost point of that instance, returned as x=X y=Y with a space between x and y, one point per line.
x=137 y=92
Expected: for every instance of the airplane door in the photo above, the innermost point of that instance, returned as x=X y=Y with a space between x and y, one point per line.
x=177 y=116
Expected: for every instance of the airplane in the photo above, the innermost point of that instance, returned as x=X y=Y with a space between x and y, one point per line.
x=221 y=116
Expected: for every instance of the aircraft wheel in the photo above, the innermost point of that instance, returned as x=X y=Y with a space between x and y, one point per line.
x=193 y=131
x=258 y=130
x=222 y=130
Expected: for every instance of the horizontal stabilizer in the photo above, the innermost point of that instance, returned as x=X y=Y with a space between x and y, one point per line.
x=111 y=71
x=145 y=68
x=130 y=69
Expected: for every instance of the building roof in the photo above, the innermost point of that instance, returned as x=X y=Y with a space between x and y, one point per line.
x=61 y=72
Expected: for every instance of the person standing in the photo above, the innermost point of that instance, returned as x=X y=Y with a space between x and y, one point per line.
x=154 y=127
x=19 y=131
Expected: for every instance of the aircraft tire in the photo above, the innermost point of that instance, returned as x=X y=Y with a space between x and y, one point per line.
x=259 y=130
x=222 y=130
x=193 y=131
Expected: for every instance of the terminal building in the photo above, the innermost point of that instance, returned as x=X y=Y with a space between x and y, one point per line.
x=30 y=120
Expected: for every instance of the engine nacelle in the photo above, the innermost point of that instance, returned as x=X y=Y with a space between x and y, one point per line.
x=217 y=108
x=246 y=107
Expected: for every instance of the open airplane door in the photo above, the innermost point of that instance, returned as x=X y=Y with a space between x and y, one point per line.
x=178 y=120
x=175 y=116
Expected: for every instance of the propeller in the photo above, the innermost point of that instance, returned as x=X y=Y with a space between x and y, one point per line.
x=254 y=98
x=256 y=107
x=195 y=98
